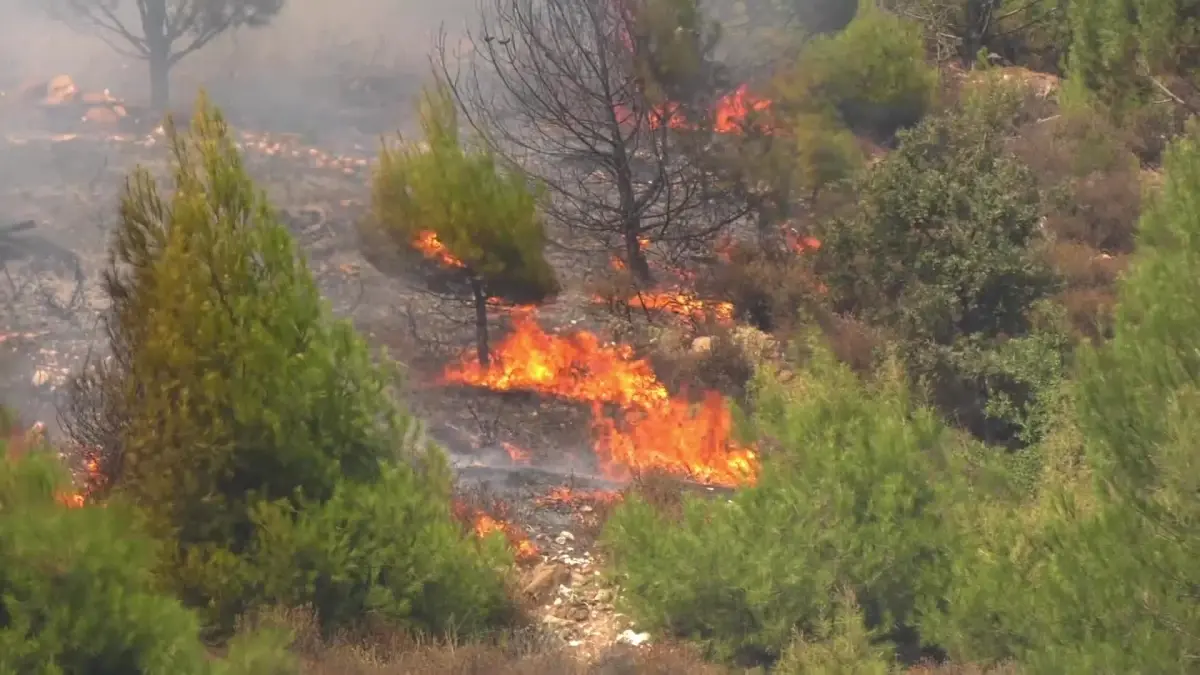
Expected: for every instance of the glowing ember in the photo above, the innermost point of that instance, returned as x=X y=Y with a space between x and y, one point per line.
x=576 y=367
x=431 y=247
x=483 y=524
x=678 y=438
x=517 y=455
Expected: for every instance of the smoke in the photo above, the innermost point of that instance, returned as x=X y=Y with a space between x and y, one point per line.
x=297 y=74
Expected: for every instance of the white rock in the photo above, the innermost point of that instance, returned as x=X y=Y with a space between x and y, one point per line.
x=631 y=638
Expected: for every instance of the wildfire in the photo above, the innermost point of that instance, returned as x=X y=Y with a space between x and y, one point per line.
x=679 y=438
x=576 y=367
x=516 y=454
x=682 y=303
x=731 y=114
x=659 y=432
x=484 y=524
x=431 y=247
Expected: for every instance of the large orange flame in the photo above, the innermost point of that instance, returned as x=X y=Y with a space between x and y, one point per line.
x=577 y=367
x=659 y=432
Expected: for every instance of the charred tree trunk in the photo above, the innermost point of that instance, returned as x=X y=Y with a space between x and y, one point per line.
x=635 y=257
x=482 y=349
x=158 y=54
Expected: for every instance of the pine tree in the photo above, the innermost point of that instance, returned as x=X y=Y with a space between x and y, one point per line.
x=229 y=382
x=486 y=217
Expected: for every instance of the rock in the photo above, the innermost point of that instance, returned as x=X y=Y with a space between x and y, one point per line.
x=631 y=638
x=60 y=89
x=102 y=116
x=563 y=537
x=543 y=578
x=702 y=344
x=579 y=613
x=603 y=596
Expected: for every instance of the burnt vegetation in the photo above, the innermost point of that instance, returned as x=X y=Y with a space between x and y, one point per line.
x=887 y=347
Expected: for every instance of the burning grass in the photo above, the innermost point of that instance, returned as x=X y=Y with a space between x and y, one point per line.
x=657 y=432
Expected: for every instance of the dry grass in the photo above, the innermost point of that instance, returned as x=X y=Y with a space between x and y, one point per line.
x=519 y=653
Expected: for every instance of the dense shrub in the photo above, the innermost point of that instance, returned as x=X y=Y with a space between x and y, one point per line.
x=1111 y=571
x=944 y=254
x=385 y=551
x=857 y=495
x=78 y=592
x=872 y=75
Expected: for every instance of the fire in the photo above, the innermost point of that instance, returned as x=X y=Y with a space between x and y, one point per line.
x=659 y=432
x=734 y=110
x=516 y=454
x=682 y=303
x=576 y=367
x=678 y=438
x=431 y=247
x=484 y=524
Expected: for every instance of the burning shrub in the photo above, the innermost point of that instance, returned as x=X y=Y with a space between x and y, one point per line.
x=229 y=381
x=383 y=550
x=78 y=592
x=855 y=495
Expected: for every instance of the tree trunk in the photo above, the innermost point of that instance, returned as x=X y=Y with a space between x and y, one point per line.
x=481 y=323
x=635 y=258
x=160 y=80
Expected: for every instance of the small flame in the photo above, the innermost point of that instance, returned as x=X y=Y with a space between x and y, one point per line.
x=431 y=247
x=680 y=302
x=563 y=496
x=484 y=524
x=516 y=454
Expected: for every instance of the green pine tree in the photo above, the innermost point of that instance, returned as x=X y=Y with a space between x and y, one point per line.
x=230 y=383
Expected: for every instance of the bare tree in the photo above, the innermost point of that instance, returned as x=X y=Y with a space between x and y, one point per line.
x=163 y=31
x=557 y=88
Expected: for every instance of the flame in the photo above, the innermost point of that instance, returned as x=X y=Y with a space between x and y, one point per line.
x=678 y=301
x=676 y=437
x=732 y=113
x=431 y=247
x=484 y=524
x=576 y=367
x=659 y=432
x=516 y=454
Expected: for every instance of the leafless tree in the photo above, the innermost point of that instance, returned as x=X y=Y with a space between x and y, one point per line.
x=163 y=32
x=555 y=87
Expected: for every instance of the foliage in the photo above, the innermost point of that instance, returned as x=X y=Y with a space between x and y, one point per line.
x=78 y=592
x=843 y=646
x=674 y=42
x=1127 y=51
x=485 y=216
x=1113 y=577
x=944 y=253
x=233 y=383
x=386 y=551
x=857 y=495
x=872 y=75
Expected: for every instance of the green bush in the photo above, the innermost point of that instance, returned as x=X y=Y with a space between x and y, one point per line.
x=386 y=551
x=944 y=254
x=873 y=75
x=1109 y=576
x=78 y=592
x=857 y=494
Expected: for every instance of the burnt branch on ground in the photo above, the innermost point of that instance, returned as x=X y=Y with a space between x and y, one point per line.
x=553 y=87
